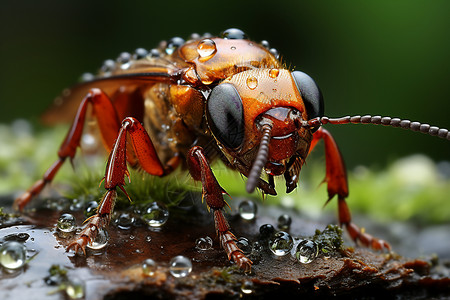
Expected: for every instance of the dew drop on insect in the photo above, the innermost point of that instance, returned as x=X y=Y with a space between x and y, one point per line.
x=149 y=267
x=206 y=48
x=100 y=241
x=154 y=53
x=173 y=44
x=275 y=53
x=265 y=44
x=124 y=221
x=244 y=244
x=252 y=82
x=281 y=243
x=140 y=53
x=273 y=73
x=247 y=287
x=284 y=222
x=155 y=214
x=75 y=289
x=266 y=231
x=233 y=34
x=247 y=210
x=12 y=255
x=180 y=266
x=204 y=243
x=87 y=77
x=66 y=223
x=108 y=66
x=306 y=251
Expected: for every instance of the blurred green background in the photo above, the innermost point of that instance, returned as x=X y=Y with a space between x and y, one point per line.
x=369 y=57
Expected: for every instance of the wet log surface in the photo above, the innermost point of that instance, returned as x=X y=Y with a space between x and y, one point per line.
x=115 y=271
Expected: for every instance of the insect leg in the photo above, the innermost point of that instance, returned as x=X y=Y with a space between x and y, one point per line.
x=109 y=125
x=212 y=193
x=116 y=170
x=336 y=178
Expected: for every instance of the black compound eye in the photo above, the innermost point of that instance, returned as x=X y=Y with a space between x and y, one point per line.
x=312 y=97
x=226 y=115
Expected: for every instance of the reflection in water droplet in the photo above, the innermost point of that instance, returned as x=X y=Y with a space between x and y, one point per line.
x=66 y=223
x=100 y=241
x=180 y=266
x=247 y=287
x=284 y=222
x=149 y=267
x=244 y=244
x=124 y=221
x=75 y=289
x=273 y=73
x=206 y=48
x=88 y=142
x=155 y=214
x=204 y=243
x=281 y=243
x=306 y=251
x=12 y=255
x=248 y=209
x=252 y=82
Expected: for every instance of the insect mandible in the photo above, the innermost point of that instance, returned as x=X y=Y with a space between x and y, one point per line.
x=188 y=102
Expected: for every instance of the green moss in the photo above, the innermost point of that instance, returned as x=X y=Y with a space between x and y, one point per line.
x=329 y=240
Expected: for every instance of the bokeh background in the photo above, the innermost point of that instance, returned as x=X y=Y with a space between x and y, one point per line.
x=369 y=57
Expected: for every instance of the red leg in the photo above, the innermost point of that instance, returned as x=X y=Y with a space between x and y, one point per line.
x=116 y=170
x=336 y=178
x=212 y=193
x=108 y=123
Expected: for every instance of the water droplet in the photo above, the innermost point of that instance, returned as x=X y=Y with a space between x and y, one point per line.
x=149 y=267
x=244 y=244
x=266 y=231
x=88 y=142
x=100 y=241
x=154 y=53
x=275 y=53
x=140 y=53
x=257 y=247
x=12 y=255
x=281 y=243
x=90 y=209
x=252 y=82
x=148 y=238
x=247 y=287
x=75 y=289
x=233 y=34
x=173 y=44
x=155 y=214
x=206 y=48
x=180 y=266
x=265 y=44
x=124 y=221
x=108 y=66
x=284 y=222
x=76 y=205
x=204 y=243
x=273 y=73
x=66 y=223
x=87 y=77
x=233 y=48
x=247 y=209
x=306 y=251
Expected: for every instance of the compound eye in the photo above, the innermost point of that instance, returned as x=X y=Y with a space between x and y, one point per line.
x=311 y=95
x=225 y=113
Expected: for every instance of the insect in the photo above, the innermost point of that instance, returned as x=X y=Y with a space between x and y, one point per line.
x=188 y=102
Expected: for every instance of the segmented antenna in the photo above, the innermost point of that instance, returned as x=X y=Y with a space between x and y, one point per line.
x=261 y=159
x=378 y=120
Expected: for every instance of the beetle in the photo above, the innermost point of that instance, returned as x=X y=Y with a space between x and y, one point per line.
x=188 y=102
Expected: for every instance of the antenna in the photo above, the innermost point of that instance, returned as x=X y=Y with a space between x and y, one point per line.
x=378 y=120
